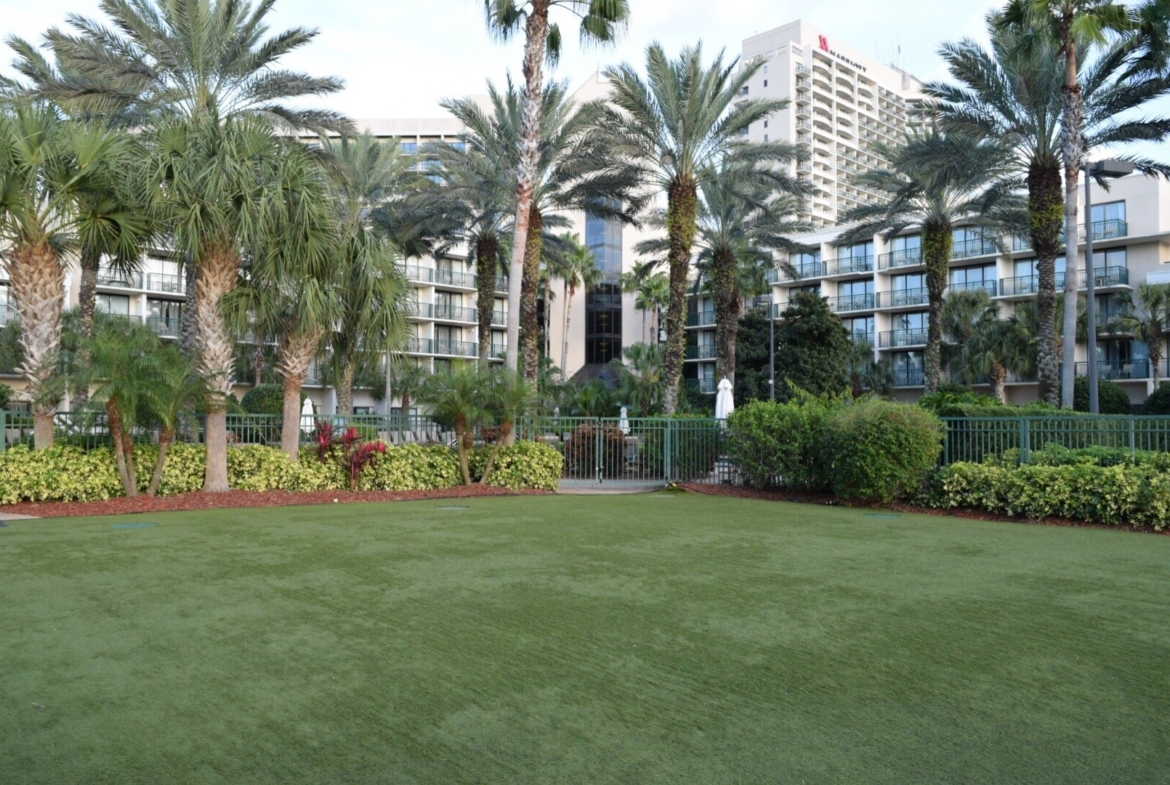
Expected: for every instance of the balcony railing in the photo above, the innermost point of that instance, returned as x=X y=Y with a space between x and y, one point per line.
x=705 y=385
x=900 y=298
x=420 y=274
x=700 y=319
x=119 y=280
x=894 y=339
x=453 y=278
x=1118 y=371
x=499 y=319
x=455 y=313
x=908 y=377
x=167 y=327
x=501 y=283
x=7 y=314
x=417 y=310
x=975 y=246
x=908 y=257
x=456 y=348
x=850 y=264
x=861 y=336
x=1103 y=278
x=1107 y=230
x=811 y=270
x=988 y=286
x=853 y=302
x=700 y=352
x=168 y=284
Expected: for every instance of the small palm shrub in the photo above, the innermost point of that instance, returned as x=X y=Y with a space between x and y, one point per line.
x=881 y=451
x=1112 y=399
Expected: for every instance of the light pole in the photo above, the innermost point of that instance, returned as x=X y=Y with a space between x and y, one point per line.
x=1098 y=169
x=772 y=344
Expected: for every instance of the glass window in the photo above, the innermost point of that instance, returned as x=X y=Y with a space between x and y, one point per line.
x=860 y=251
x=1026 y=268
x=806 y=263
x=810 y=289
x=913 y=243
x=860 y=328
x=906 y=283
x=854 y=288
x=971 y=277
x=409 y=148
x=113 y=303
x=603 y=324
x=1110 y=211
x=910 y=321
x=604 y=238
x=1114 y=257
x=907 y=362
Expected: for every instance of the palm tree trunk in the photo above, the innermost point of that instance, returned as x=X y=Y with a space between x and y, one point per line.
x=90 y=263
x=345 y=387
x=723 y=284
x=296 y=357
x=188 y=331
x=505 y=435
x=1072 y=143
x=536 y=35
x=570 y=291
x=123 y=457
x=164 y=444
x=462 y=447
x=487 y=251
x=1046 y=209
x=937 y=243
x=217 y=277
x=38 y=286
x=530 y=316
x=1155 y=348
x=681 y=212
x=998 y=379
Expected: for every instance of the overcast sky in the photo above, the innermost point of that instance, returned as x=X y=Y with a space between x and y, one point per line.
x=400 y=57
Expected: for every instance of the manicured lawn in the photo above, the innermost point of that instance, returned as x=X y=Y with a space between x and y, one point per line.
x=647 y=639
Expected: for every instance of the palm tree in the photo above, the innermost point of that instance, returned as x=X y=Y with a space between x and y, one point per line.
x=600 y=22
x=981 y=343
x=1148 y=319
x=1075 y=26
x=867 y=374
x=370 y=182
x=745 y=213
x=457 y=396
x=651 y=292
x=678 y=124
x=290 y=291
x=50 y=170
x=175 y=389
x=579 y=270
x=180 y=59
x=509 y=400
x=937 y=180
x=640 y=377
x=575 y=171
x=1010 y=95
x=407 y=383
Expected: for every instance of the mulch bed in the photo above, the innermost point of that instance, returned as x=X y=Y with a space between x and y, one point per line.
x=829 y=500
x=239 y=499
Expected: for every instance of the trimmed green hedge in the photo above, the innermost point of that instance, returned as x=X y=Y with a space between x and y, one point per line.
x=1112 y=495
x=782 y=444
x=881 y=451
x=71 y=474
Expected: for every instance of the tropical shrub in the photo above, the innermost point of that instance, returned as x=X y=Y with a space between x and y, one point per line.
x=581 y=451
x=312 y=474
x=413 y=467
x=264 y=399
x=1114 y=495
x=781 y=444
x=950 y=396
x=57 y=474
x=183 y=472
x=257 y=468
x=1111 y=398
x=6 y=396
x=1159 y=401
x=881 y=451
x=525 y=464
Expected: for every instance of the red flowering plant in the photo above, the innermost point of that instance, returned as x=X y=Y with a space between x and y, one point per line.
x=326 y=436
x=356 y=455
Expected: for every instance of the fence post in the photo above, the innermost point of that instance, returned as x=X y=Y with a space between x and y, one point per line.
x=3 y=430
x=1132 y=438
x=597 y=449
x=1025 y=440
x=666 y=450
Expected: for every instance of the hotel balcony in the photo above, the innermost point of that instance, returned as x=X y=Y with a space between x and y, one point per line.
x=417 y=310
x=166 y=327
x=1102 y=230
x=442 y=347
x=861 y=336
x=849 y=265
x=166 y=284
x=705 y=385
x=902 y=339
x=418 y=274
x=908 y=377
x=1028 y=285
x=803 y=272
x=1118 y=371
x=854 y=302
x=910 y=257
x=454 y=279
x=969 y=249
x=903 y=298
x=700 y=352
x=701 y=318
x=455 y=313
x=973 y=286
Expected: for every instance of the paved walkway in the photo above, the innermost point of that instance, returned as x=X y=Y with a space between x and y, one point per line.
x=585 y=488
x=11 y=516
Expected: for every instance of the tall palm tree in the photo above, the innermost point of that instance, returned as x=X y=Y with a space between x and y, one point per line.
x=50 y=171
x=678 y=123
x=290 y=290
x=651 y=290
x=457 y=396
x=371 y=181
x=600 y=22
x=1011 y=95
x=640 y=377
x=745 y=213
x=982 y=344
x=1148 y=319
x=1076 y=26
x=578 y=271
x=575 y=171
x=937 y=180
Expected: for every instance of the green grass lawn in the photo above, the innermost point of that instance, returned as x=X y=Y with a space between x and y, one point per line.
x=676 y=639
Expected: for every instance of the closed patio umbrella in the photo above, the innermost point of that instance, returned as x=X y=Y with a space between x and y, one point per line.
x=724 y=401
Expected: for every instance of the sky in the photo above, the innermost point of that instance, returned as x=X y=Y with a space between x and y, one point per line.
x=399 y=58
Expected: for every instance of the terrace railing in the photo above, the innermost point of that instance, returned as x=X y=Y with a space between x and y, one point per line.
x=976 y=439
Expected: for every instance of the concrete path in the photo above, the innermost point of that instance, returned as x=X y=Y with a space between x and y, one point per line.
x=584 y=488
x=11 y=516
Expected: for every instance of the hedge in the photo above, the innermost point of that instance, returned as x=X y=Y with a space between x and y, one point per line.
x=782 y=444
x=1112 y=495
x=66 y=473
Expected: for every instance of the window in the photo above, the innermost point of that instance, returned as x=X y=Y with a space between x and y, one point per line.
x=860 y=328
x=814 y=288
x=806 y=263
x=408 y=148
x=855 y=288
x=765 y=83
x=113 y=304
x=1110 y=211
x=460 y=146
x=974 y=278
x=907 y=245
x=911 y=322
x=603 y=324
x=765 y=137
x=973 y=241
x=765 y=123
x=604 y=238
x=908 y=283
x=1114 y=257
x=1026 y=268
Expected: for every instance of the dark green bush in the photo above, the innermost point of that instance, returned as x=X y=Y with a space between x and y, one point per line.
x=264 y=399
x=881 y=451
x=950 y=396
x=1110 y=396
x=1159 y=401
x=6 y=395
x=781 y=444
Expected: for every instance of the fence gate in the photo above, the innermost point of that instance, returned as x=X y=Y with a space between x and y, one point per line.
x=634 y=451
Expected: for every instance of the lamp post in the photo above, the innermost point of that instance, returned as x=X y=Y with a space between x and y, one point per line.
x=1098 y=169
x=772 y=344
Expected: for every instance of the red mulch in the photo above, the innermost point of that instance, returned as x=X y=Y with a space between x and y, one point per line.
x=238 y=499
x=829 y=500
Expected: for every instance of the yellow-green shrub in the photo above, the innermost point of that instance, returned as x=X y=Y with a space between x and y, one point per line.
x=256 y=468
x=184 y=470
x=412 y=467
x=1138 y=495
x=880 y=451
x=310 y=474
x=523 y=465
x=58 y=474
